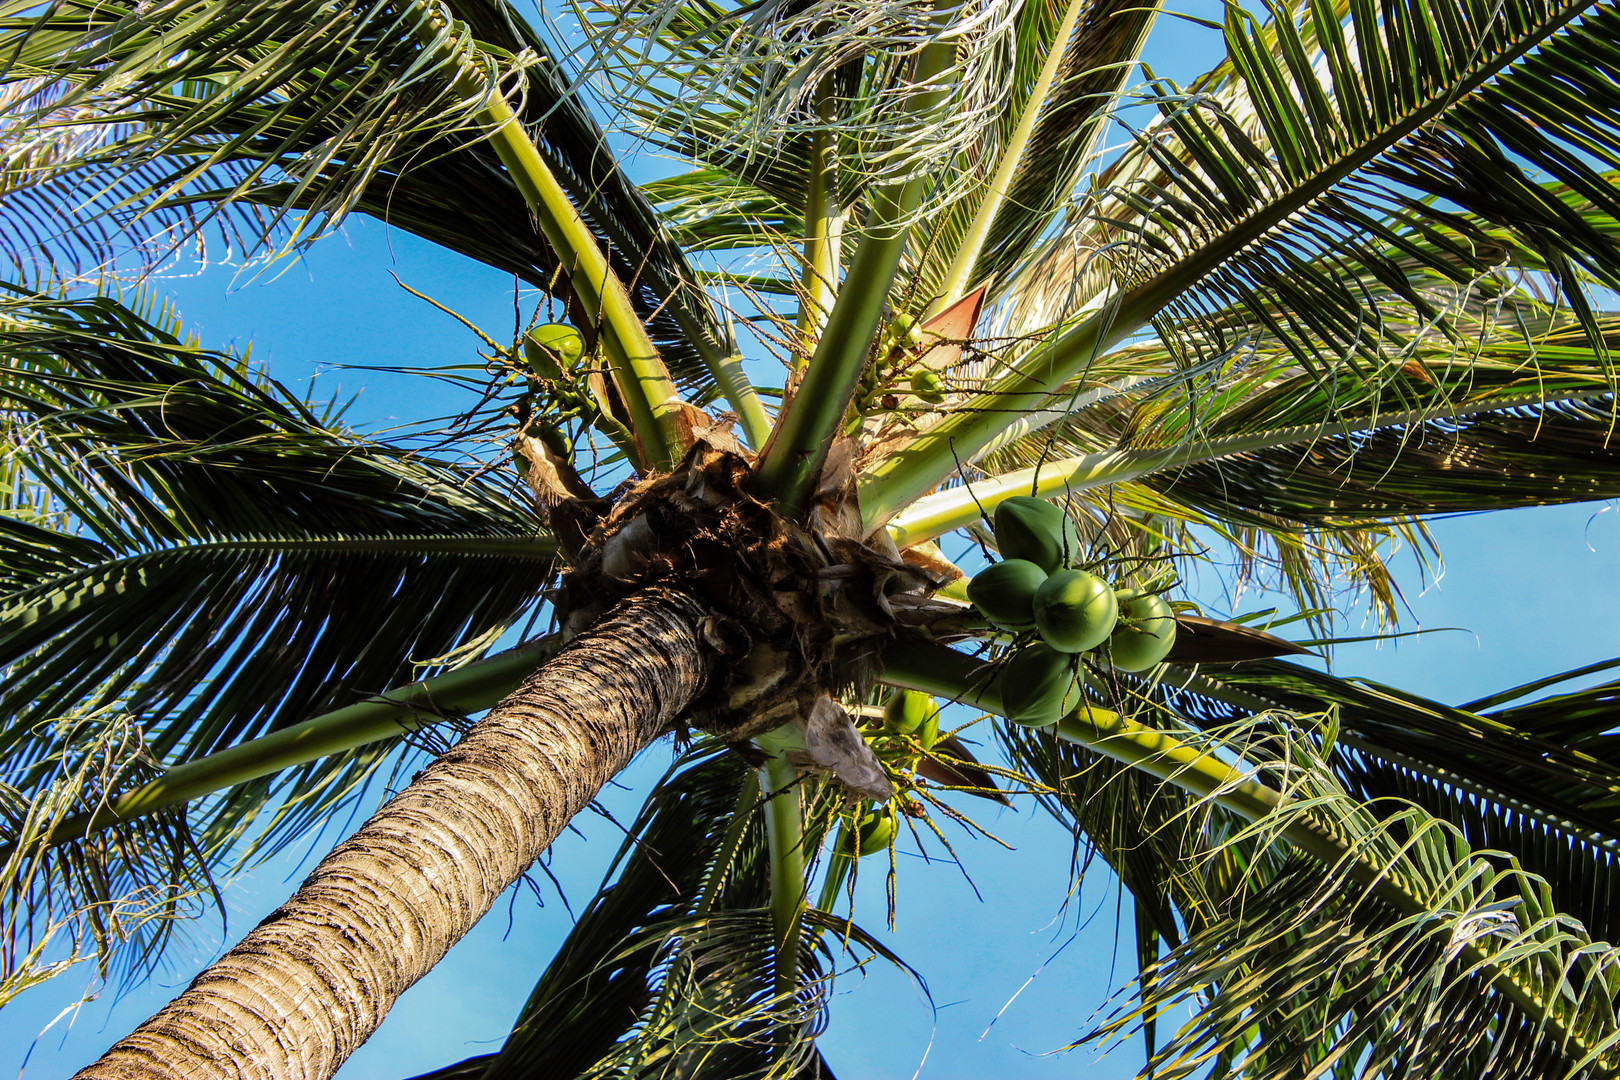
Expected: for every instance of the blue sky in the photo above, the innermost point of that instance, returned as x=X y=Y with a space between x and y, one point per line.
x=1013 y=976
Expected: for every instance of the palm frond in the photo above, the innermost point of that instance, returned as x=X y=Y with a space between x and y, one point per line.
x=1093 y=65
x=233 y=559
x=364 y=115
x=63 y=217
x=117 y=900
x=1282 y=195
x=710 y=210
x=736 y=83
x=1306 y=476
x=1409 y=115
x=228 y=563
x=1296 y=968
x=1545 y=800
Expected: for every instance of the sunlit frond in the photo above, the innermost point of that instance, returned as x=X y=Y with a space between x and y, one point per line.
x=1415 y=953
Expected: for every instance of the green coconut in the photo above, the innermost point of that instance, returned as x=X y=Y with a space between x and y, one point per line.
x=1038 y=686
x=1075 y=611
x=1035 y=530
x=1005 y=592
x=875 y=831
x=928 y=733
x=905 y=331
x=907 y=711
x=1146 y=631
x=928 y=386
x=552 y=349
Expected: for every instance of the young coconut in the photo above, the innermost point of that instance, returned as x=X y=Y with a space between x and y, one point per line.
x=928 y=733
x=1034 y=529
x=1038 y=686
x=1075 y=611
x=552 y=349
x=905 y=332
x=874 y=832
x=928 y=386
x=1005 y=592
x=1146 y=633
x=907 y=711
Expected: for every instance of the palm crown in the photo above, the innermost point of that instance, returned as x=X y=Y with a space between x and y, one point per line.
x=1347 y=280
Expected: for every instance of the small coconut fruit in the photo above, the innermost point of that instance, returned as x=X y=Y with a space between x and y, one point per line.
x=875 y=831
x=928 y=386
x=1038 y=686
x=552 y=349
x=1146 y=631
x=1075 y=611
x=1035 y=530
x=905 y=331
x=1005 y=592
x=907 y=711
x=928 y=733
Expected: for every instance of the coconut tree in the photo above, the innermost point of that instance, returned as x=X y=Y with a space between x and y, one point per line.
x=1346 y=280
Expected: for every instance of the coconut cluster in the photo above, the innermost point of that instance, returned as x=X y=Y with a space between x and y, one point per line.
x=1072 y=610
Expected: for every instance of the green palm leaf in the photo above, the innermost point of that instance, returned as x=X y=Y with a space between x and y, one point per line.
x=1292 y=966
x=362 y=116
x=230 y=563
x=1546 y=800
x=1237 y=202
x=235 y=560
x=1041 y=169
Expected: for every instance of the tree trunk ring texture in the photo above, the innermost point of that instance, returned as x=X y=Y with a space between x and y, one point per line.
x=311 y=983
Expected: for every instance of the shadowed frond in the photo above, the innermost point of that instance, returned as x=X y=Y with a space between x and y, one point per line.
x=232 y=563
x=221 y=562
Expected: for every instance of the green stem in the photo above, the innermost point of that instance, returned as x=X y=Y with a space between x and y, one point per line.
x=823 y=223
x=784 y=835
x=936 y=515
x=838 y=867
x=959 y=276
x=792 y=461
x=903 y=477
x=947 y=673
x=644 y=383
x=477 y=686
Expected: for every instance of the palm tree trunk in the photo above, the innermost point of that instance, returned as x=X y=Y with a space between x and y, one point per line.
x=311 y=983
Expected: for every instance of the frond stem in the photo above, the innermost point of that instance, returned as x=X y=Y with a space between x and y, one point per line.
x=792 y=460
x=784 y=836
x=478 y=685
x=823 y=226
x=959 y=276
x=937 y=514
x=643 y=381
